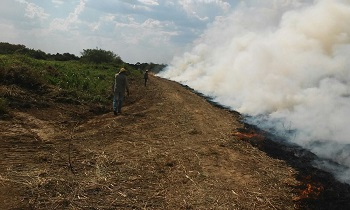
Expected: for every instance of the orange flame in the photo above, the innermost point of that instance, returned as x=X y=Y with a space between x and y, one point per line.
x=311 y=191
x=247 y=135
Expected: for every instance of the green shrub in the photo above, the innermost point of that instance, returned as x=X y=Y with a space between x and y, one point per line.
x=21 y=71
x=99 y=56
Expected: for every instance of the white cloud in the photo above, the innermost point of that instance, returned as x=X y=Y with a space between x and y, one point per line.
x=224 y=5
x=57 y=2
x=109 y=18
x=145 y=30
x=149 y=2
x=32 y=10
x=72 y=19
x=141 y=7
x=128 y=22
x=201 y=9
x=151 y=23
x=149 y=33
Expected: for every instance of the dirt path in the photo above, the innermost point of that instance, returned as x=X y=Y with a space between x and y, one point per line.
x=170 y=149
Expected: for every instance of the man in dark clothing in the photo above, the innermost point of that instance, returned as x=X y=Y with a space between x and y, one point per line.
x=145 y=76
x=120 y=86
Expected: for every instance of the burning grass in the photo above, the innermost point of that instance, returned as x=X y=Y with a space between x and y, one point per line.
x=309 y=189
x=316 y=189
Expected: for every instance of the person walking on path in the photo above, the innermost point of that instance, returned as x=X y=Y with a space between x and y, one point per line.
x=145 y=76
x=120 y=86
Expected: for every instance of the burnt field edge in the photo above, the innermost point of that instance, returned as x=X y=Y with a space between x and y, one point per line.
x=318 y=189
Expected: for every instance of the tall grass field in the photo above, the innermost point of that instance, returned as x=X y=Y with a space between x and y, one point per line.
x=80 y=81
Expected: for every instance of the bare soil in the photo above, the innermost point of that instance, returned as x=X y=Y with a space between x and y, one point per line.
x=169 y=149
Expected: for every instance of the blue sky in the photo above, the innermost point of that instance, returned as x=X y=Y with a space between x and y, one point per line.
x=136 y=30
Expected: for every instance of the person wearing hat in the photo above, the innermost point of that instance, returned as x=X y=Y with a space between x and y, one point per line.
x=120 y=86
x=145 y=76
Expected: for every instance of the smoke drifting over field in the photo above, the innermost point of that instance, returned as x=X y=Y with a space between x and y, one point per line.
x=287 y=64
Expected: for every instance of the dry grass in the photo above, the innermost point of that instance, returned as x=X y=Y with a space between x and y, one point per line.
x=169 y=150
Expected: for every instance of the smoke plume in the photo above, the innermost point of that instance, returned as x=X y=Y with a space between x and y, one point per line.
x=286 y=64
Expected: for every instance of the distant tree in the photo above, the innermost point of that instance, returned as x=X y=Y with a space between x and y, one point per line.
x=63 y=57
x=37 y=54
x=7 y=48
x=158 y=68
x=99 y=56
x=155 y=68
x=69 y=56
x=143 y=66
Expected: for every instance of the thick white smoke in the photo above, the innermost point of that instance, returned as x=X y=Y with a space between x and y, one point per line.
x=287 y=63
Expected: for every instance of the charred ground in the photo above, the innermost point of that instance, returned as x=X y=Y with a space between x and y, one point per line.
x=170 y=149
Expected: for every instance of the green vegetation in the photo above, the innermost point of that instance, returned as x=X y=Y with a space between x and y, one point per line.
x=85 y=81
x=60 y=81
x=31 y=77
x=100 y=56
x=6 y=48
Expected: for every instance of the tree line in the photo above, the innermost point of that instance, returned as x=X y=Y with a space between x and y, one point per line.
x=95 y=56
x=7 y=48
